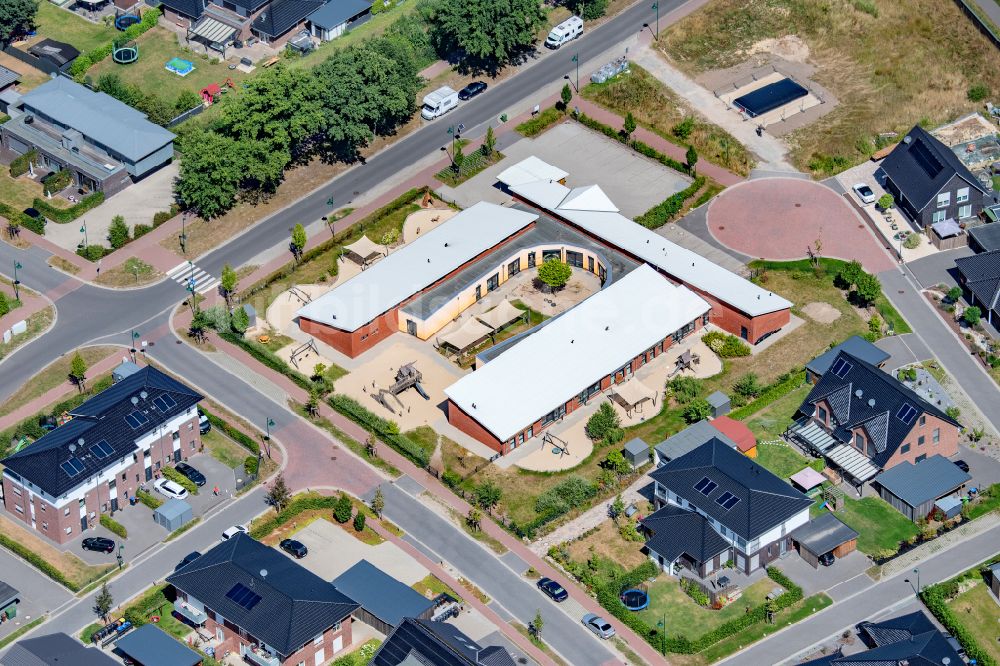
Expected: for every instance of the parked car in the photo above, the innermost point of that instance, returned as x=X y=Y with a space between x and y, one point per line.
x=233 y=531
x=296 y=549
x=865 y=193
x=597 y=624
x=554 y=590
x=170 y=488
x=99 y=544
x=471 y=90
x=204 y=425
x=34 y=214
x=193 y=475
x=188 y=559
x=827 y=559
x=962 y=465
x=955 y=645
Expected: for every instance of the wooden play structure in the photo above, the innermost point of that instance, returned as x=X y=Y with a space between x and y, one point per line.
x=406 y=377
x=210 y=93
x=302 y=352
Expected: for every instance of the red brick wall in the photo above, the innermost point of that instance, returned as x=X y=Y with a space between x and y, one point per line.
x=354 y=343
x=472 y=428
x=947 y=446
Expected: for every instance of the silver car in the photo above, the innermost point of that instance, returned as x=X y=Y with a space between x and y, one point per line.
x=865 y=193
x=597 y=624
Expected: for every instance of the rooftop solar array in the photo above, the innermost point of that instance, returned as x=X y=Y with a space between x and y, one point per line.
x=243 y=596
x=102 y=449
x=705 y=486
x=72 y=467
x=136 y=419
x=164 y=402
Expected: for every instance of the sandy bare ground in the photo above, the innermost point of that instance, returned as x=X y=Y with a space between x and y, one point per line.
x=423 y=221
x=824 y=313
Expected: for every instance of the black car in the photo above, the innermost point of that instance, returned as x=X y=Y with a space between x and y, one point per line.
x=962 y=465
x=188 y=559
x=554 y=590
x=99 y=544
x=296 y=549
x=826 y=559
x=471 y=90
x=33 y=213
x=193 y=475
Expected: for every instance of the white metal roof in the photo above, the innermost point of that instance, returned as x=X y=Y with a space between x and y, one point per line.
x=529 y=170
x=575 y=350
x=416 y=266
x=586 y=208
x=853 y=462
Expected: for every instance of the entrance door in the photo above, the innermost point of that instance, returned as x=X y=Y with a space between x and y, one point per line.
x=479 y=291
x=744 y=333
x=411 y=327
x=493 y=282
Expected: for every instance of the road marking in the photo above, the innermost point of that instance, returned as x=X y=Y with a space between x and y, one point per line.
x=186 y=274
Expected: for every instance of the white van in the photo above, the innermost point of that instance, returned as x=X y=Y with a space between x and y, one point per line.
x=566 y=31
x=438 y=103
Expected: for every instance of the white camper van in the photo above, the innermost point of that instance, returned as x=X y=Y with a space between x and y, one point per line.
x=566 y=31
x=438 y=103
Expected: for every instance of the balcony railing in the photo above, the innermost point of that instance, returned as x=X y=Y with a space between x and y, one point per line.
x=259 y=657
x=190 y=613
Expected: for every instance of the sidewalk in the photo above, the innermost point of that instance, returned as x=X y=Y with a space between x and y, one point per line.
x=30 y=304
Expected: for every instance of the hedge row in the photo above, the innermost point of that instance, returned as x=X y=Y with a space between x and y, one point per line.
x=238 y=436
x=178 y=478
x=147 y=499
x=86 y=60
x=663 y=212
x=634 y=144
x=387 y=431
x=19 y=219
x=540 y=123
x=268 y=358
x=294 y=508
x=772 y=393
x=19 y=165
x=64 y=215
x=935 y=597
x=37 y=561
x=113 y=526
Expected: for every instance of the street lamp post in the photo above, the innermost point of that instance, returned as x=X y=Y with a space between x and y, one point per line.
x=917 y=571
x=131 y=343
x=268 y=422
x=183 y=238
x=83 y=230
x=576 y=59
x=17 y=292
x=656 y=7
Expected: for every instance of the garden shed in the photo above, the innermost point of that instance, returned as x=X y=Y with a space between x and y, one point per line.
x=636 y=452
x=719 y=402
x=173 y=514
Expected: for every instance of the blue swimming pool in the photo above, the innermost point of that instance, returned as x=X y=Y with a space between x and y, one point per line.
x=180 y=66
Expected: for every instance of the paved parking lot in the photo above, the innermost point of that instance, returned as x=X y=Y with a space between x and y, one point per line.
x=38 y=593
x=216 y=474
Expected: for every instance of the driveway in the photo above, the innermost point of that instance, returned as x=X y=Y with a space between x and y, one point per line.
x=938 y=268
x=143 y=534
x=834 y=580
x=984 y=469
x=903 y=350
x=216 y=474
x=39 y=594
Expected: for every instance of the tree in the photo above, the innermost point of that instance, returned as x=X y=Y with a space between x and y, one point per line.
x=748 y=386
x=566 y=96
x=588 y=10
x=103 y=603
x=484 y=34
x=488 y=495
x=279 y=495
x=603 y=421
x=554 y=274
x=537 y=624
x=629 y=125
x=886 y=201
x=359 y=522
x=616 y=462
x=683 y=129
x=211 y=173
x=489 y=142
x=458 y=158
x=378 y=502
x=867 y=289
x=697 y=410
x=78 y=370
x=187 y=100
x=617 y=507
x=343 y=509
x=954 y=294
x=685 y=389
x=953 y=412
x=299 y=239
x=849 y=274
x=118 y=232
x=240 y=321
x=474 y=519
x=691 y=157
x=228 y=281
x=972 y=315
x=312 y=403
x=16 y=17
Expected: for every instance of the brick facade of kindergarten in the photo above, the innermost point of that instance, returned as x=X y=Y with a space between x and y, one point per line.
x=60 y=519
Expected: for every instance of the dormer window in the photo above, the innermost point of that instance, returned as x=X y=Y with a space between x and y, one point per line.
x=822 y=415
x=859 y=442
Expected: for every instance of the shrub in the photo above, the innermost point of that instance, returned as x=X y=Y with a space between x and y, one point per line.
x=359 y=522
x=343 y=509
x=972 y=315
x=118 y=232
x=912 y=242
x=147 y=499
x=19 y=165
x=886 y=201
x=935 y=597
x=568 y=494
x=978 y=92
x=770 y=394
x=140 y=230
x=685 y=389
x=387 y=431
x=37 y=561
x=64 y=215
x=113 y=526
x=301 y=503
x=829 y=165
x=57 y=181
x=601 y=422
x=540 y=123
x=697 y=410
x=93 y=252
x=662 y=212
x=250 y=465
x=162 y=216
x=725 y=345
x=683 y=129
x=748 y=386
x=953 y=412
x=175 y=476
x=693 y=590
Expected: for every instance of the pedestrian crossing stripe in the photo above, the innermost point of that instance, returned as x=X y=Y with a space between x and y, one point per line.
x=189 y=275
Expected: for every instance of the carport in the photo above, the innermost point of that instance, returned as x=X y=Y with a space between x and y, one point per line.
x=150 y=646
x=824 y=534
x=9 y=598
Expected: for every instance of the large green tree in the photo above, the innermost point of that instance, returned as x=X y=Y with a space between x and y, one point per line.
x=554 y=273
x=16 y=17
x=485 y=34
x=588 y=9
x=212 y=172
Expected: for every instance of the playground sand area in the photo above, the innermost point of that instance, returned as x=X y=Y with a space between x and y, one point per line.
x=305 y=360
x=379 y=372
x=422 y=221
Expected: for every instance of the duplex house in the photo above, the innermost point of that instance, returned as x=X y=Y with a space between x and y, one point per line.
x=715 y=505
x=979 y=276
x=262 y=605
x=863 y=421
x=54 y=650
x=929 y=183
x=104 y=143
x=113 y=443
x=427 y=643
x=907 y=640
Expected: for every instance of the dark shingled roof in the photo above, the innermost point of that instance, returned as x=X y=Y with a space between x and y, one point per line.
x=191 y=8
x=380 y=594
x=691 y=438
x=911 y=639
x=764 y=500
x=988 y=236
x=822 y=534
x=101 y=419
x=282 y=15
x=8 y=593
x=855 y=346
x=149 y=646
x=981 y=273
x=926 y=481
x=674 y=531
x=436 y=644
x=922 y=166
x=55 y=650
x=58 y=53
x=337 y=12
x=8 y=77
x=882 y=397
x=295 y=604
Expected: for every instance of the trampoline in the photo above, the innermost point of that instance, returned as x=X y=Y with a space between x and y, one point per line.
x=770 y=97
x=635 y=599
x=179 y=66
x=125 y=54
x=125 y=20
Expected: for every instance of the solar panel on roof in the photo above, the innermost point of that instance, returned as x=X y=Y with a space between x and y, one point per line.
x=102 y=449
x=136 y=419
x=841 y=368
x=906 y=413
x=243 y=596
x=926 y=159
x=72 y=467
x=705 y=486
x=727 y=500
x=164 y=402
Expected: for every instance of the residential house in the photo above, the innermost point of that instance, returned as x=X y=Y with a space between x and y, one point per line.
x=913 y=489
x=863 y=421
x=715 y=505
x=113 y=443
x=8 y=88
x=908 y=640
x=689 y=439
x=429 y=643
x=262 y=605
x=929 y=183
x=855 y=346
x=104 y=143
x=218 y=23
x=979 y=276
x=336 y=17
x=385 y=601
x=54 y=650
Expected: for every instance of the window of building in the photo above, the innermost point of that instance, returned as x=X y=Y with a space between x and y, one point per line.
x=590 y=264
x=45 y=525
x=871 y=450
x=938 y=216
x=17 y=491
x=531 y=432
x=822 y=414
x=859 y=441
x=922 y=457
x=514 y=267
x=66 y=511
x=123 y=476
x=962 y=195
x=69 y=530
x=905 y=448
x=923 y=419
x=574 y=258
x=944 y=199
x=964 y=211
x=318 y=640
x=520 y=439
x=190 y=426
x=42 y=506
x=920 y=440
x=936 y=436
x=17 y=507
x=531 y=260
x=193 y=445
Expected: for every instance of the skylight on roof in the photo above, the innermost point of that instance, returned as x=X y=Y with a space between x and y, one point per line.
x=164 y=402
x=906 y=413
x=727 y=500
x=72 y=467
x=705 y=486
x=102 y=449
x=243 y=596
x=841 y=367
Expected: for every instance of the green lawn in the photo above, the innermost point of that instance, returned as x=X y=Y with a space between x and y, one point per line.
x=770 y=422
x=64 y=26
x=780 y=459
x=980 y=614
x=223 y=449
x=425 y=437
x=879 y=526
x=685 y=617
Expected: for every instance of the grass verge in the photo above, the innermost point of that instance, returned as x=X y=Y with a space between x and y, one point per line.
x=56 y=374
x=21 y=631
x=132 y=272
